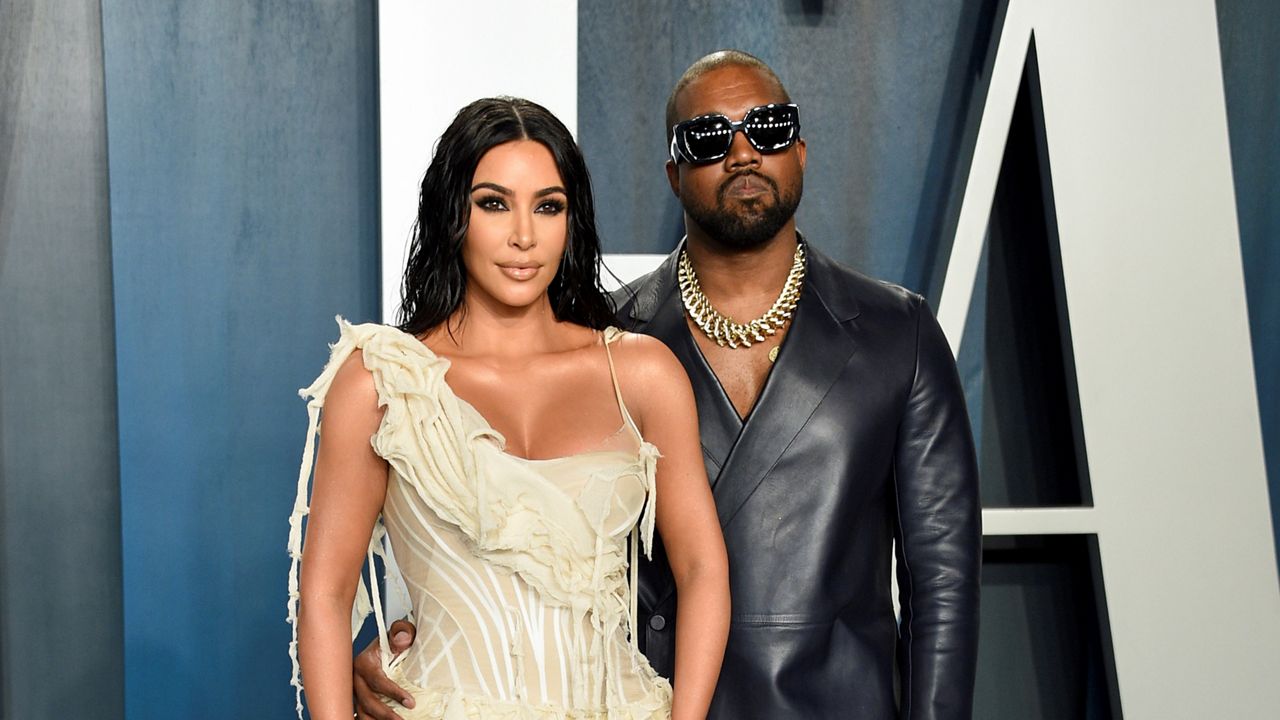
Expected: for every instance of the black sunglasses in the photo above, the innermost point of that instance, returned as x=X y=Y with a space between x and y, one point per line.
x=707 y=138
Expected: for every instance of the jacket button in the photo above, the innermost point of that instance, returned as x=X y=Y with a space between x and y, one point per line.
x=657 y=622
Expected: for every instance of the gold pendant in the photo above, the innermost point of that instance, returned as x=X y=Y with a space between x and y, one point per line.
x=773 y=353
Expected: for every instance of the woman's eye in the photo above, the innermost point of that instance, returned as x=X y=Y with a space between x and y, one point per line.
x=551 y=207
x=491 y=203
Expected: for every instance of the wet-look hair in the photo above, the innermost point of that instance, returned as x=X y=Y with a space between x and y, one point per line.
x=435 y=279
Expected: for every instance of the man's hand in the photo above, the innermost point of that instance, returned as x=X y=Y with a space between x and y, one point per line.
x=369 y=680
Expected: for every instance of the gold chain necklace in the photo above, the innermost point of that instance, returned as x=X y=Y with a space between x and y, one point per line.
x=723 y=329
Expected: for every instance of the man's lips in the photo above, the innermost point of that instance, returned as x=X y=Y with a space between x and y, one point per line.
x=746 y=186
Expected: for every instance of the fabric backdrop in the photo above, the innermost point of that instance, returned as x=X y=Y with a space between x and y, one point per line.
x=188 y=194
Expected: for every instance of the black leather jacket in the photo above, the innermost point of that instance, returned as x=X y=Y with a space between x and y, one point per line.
x=860 y=436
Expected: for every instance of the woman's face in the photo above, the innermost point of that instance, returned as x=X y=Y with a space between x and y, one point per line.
x=519 y=221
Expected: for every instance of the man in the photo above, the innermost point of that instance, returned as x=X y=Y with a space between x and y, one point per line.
x=830 y=429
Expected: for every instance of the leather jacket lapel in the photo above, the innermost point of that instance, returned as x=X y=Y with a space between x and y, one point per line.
x=815 y=351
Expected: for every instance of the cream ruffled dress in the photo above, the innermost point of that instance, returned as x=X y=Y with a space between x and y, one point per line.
x=516 y=568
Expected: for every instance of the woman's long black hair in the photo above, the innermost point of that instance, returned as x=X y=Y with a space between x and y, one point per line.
x=435 y=280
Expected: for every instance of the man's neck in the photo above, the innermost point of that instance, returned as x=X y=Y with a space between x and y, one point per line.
x=726 y=272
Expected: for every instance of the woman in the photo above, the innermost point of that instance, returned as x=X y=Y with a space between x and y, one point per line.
x=512 y=443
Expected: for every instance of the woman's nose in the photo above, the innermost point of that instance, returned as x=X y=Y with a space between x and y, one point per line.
x=522 y=236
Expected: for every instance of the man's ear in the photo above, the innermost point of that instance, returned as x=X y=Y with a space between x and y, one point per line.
x=673 y=178
x=801 y=151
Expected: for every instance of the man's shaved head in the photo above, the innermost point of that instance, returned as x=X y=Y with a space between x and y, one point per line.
x=715 y=61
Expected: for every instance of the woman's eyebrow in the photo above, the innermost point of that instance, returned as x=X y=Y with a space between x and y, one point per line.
x=550 y=190
x=491 y=186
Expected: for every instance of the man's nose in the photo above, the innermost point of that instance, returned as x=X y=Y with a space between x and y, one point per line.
x=741 y=152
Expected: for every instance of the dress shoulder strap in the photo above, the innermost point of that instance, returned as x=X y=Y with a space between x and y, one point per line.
x=642 y=533
x=610 y=334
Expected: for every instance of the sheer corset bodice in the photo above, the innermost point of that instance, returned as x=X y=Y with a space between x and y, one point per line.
x=517 y=569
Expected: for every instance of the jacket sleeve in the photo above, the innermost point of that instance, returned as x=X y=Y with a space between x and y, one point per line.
x=939 y=536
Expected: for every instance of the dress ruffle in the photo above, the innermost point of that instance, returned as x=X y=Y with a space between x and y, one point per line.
x=424 y=419
x=510 y=515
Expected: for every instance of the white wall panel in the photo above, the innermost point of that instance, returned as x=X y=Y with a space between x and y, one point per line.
x=1136 y=127
x=434 y=58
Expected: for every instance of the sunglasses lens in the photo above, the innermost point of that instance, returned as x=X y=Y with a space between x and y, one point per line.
x=772 y=128
x=707 y=138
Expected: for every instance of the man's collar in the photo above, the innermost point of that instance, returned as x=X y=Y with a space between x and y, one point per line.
x=830 y=282
x=652 y=290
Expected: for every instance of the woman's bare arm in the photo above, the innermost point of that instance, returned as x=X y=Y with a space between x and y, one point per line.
x=349 y=488
x=656 y=385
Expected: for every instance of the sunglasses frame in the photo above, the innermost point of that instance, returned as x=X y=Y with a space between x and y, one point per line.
x=680 y=151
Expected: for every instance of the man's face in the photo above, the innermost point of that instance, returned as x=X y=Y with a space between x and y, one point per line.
x=743 y=200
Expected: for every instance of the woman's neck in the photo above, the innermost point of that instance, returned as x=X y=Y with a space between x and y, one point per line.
x=485 y=328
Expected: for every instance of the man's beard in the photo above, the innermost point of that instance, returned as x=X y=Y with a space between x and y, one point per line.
x=755 y=222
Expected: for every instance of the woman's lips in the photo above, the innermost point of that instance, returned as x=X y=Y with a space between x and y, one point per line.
x=517 y=271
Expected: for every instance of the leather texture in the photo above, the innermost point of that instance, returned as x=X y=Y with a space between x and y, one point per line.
x=860 y=436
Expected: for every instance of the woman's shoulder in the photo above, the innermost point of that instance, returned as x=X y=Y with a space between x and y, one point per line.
x=353 y=379
x=646 y=360
x=382 y=344
x=365 y=358
x=362 y=334
x=643 y=348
